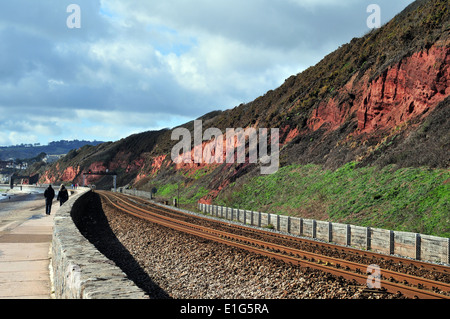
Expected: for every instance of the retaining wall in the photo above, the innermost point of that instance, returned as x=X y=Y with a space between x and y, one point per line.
x=412 y=245
x=79 y=270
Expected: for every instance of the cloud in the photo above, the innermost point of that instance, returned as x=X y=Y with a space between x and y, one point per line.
x=141 y=65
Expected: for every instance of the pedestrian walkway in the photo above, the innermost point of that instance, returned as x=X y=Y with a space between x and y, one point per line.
x=25 y=257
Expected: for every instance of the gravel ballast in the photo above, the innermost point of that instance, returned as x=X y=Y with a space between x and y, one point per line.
x=169 y=264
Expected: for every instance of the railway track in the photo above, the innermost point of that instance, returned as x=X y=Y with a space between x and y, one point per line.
x=433 y=271
x=438 y=272
x=287 y=248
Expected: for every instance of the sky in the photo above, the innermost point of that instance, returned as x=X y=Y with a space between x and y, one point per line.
x=117 y=67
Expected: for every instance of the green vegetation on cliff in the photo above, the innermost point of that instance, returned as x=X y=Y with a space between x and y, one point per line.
x=356 y=146
x=405 y=199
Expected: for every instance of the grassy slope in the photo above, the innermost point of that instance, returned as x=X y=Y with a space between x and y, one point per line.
x=404 y=199
x=407 y=199
x=410 y=199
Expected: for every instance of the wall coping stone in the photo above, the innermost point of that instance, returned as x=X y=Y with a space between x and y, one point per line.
x=78 y=269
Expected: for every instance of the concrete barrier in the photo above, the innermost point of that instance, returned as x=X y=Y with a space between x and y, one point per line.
x=79 y=270
x=405 y=244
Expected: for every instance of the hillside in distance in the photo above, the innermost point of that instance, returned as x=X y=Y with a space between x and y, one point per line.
x=364 y=137
x=53 y=148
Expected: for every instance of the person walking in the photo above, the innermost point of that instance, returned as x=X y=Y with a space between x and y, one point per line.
x=63 y=195
x=49 y=195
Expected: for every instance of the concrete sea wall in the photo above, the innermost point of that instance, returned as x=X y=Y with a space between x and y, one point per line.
x=79 y=270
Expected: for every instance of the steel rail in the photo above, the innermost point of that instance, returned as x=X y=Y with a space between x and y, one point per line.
x=328 y=266
x=336 y=262
x=348 y=250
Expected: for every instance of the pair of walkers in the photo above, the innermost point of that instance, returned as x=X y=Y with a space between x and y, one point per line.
x=49 y=194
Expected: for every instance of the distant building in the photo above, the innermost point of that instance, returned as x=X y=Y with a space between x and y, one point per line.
x=6 y=164
x=4 y=179
x=21 y=166
x=12 y=165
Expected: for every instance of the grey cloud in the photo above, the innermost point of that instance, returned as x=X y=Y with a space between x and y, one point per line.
x=180 y=58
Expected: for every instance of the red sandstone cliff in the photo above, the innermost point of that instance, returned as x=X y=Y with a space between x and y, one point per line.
x=369 y=98
x=408 y=89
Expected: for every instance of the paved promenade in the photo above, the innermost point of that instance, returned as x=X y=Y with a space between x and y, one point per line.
x=25 y=240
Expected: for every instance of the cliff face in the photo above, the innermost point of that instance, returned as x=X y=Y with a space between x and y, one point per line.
x=365 y=102
x=365 y=113
x=408 y=89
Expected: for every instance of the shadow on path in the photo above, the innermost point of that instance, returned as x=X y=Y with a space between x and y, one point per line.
x=94 y=225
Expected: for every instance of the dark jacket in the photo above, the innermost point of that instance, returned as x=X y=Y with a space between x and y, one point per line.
x=63 y=195
x=49 y=193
